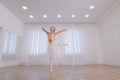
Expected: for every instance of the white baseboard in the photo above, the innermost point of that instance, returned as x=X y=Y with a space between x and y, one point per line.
x=9 y=63
x=112 y=62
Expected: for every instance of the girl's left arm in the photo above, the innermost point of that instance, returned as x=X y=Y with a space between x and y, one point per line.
x=60 y=31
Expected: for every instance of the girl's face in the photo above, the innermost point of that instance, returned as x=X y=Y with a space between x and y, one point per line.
x=52 y=29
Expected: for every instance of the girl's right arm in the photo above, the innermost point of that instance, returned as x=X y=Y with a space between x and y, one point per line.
x=44 y=30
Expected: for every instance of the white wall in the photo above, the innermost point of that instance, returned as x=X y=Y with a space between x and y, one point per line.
x=110 y=35
x=90 y=44
x=8 y=21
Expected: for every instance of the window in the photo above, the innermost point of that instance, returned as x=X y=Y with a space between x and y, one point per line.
x=11 y=48
x=1 y=33
x=72 y=38
x=39 y=42
x=10 y=43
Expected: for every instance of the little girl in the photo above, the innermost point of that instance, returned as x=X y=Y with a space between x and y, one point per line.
x=51 y=38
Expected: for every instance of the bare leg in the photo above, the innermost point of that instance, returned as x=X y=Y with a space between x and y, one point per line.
x=51 y=63
x=51 y=55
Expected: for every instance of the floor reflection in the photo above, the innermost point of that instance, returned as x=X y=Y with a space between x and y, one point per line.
x=51 y=76
x=60 y=73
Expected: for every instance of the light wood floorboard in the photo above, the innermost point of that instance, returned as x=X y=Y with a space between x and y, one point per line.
x=100 y=72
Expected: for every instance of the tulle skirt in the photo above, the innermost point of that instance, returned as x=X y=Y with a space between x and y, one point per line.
x=55 y=52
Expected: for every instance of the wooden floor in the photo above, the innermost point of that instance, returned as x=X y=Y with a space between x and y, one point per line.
x=60 y=73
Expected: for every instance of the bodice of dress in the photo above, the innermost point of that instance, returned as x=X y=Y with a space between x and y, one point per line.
x=51 y=37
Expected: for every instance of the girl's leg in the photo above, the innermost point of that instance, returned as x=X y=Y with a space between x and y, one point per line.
x=51 y=64
x=51 y=54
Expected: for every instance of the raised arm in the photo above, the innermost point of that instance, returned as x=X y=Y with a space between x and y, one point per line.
x=44 y=30
x=60 y=31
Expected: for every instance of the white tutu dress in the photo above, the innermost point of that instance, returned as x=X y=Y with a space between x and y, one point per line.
x=55 y=52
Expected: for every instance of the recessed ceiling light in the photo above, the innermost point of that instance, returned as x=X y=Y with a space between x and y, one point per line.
x=45 y=16
x=92 y=7
x=31 y=16
x=87 y=15
x=73 y=16
x=59 y=16
x=24 y=7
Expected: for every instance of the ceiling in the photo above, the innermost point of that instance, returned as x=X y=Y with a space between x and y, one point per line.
x=52 y=8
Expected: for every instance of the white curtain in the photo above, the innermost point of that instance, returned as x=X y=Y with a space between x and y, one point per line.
x=1 y=33
x=38 y=43
x=11 y=47
x=80 y=49
x=72 y=39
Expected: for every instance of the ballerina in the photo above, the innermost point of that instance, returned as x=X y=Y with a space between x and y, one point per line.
x=51 y=39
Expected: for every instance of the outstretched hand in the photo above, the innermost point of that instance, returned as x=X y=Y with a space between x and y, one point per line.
x=42 y=28
x=65 y=29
